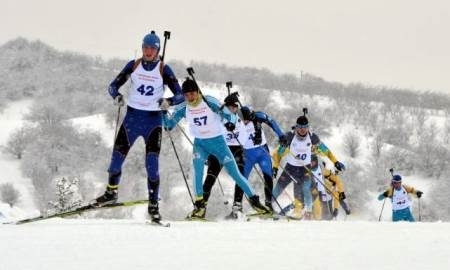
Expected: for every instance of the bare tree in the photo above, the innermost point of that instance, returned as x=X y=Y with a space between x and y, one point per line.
x=9 y=194
x=18 y=141
x=351 y=144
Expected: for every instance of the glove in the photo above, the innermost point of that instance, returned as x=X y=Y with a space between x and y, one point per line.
x=339 y=166
x=230 y=126
x=274 y=172
x=164 y=104
x=257 y=140
x=342 y=196
x=119 y=101
x=419 y=194
x=385 y=194
x=283 y=141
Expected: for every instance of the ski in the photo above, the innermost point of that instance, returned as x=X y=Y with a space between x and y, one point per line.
x=78 y=210
x=158 y=223
x=260 y=216
x=197 y=219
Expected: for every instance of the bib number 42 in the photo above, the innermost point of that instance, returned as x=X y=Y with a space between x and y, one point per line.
x=146 y=90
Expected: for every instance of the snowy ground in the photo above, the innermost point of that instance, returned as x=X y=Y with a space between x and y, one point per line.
x=130 y=244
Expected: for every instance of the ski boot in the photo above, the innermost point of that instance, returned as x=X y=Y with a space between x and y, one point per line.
x=268 y=204
x=199 y=211
x=153 y=211
x=257 y=206
x=109 y=197
x=298 y=210
x=236 y=210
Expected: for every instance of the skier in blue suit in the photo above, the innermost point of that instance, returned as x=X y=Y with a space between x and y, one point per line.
x=255 y=146
x=204 y=116
x=143 y=118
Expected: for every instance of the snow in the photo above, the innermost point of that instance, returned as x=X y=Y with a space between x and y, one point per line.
x=131 y=244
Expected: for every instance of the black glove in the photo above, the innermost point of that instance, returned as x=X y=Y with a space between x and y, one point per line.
x=339 y=166
x=342 y=196
x=283 y=141
x=274 y=172
x=419 y=194
x=385 y=194
x=119 y=101
x=230 y=126
x=257 y=140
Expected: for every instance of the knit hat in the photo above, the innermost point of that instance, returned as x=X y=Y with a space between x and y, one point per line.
x=396 y=178
x=151 y=40
x=231 y=100
x=189 y=85
x=302 y=121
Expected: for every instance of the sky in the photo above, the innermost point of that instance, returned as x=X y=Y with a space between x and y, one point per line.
x=400 y=43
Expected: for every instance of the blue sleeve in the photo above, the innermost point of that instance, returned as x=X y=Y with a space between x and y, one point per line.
x=264 y=118
x=178 y=114
x=120 y=79
x=171 y=81
x=216 y=107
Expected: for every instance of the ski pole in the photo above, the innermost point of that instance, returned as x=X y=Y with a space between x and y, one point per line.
x=382 y=207
x=181 y=168
x=117 y=125
x=391 y=170
x=221 y=189
x=166 y=37
x=420 y=217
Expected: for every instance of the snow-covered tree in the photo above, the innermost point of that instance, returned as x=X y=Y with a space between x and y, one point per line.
x=67 y=195
x=9 y=194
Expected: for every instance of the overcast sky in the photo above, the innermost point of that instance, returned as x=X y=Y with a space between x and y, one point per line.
x=398 y=43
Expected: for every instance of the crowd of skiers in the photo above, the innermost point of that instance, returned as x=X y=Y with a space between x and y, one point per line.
x=227 y=135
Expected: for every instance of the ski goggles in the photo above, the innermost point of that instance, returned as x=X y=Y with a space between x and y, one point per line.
x=301 y=126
